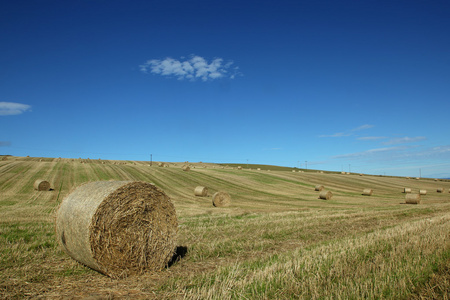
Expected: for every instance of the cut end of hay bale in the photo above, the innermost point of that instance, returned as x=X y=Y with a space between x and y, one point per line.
x=406 y=190
x=41 y=185
x=201 y=191
x=221 y=199
x=325 y=195
x=422 y=192
x=367 y=192
x=440 y=190
x=118 y=227
x=412 y=199
x=318 y=187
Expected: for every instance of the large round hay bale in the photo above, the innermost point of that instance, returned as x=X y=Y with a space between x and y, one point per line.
x=201 y=191
x=325 y=195
x=422 y=192
x=367 y=192
x=406 y=190
x=221 y=199
x=318 y=187
x=440 y=190
x=412 y=198
x=118 y=227
x=41 y=185
x=186 y=168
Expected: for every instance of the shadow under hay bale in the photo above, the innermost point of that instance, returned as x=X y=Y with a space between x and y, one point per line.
x=318 y=187
x=201 y=191
x=41 y=185
x=180 y=252
x=367 y=192
x=118 y=227
x=221 y=199
x=325 y=195
x=412 y=199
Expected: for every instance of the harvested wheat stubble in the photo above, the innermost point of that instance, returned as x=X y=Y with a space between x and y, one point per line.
x=367 y=192
x=406 y=190
x=325 y=195
x=440 y=190
x=201 y=191
x=41 y=185
x=422 y=192
x=118 y=227
x=221 y=199
x=318 y=187
x=412 y=198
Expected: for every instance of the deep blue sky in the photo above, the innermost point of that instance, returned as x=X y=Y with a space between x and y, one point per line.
x=344 y=85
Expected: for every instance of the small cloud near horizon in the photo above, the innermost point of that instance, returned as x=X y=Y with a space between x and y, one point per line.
x=12 y=108
x=349 y=132
x=371 y=138
x=191 y=69
x=404 y=140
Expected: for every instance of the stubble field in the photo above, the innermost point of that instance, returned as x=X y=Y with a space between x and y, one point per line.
x=277 y=240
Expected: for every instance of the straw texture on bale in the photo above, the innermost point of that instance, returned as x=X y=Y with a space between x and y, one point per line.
x=367 y=192
x=406 y=190
x=221 y=199
x=41 y=185
x=201 y=191
x=326 y=195
x=118 y=227
x=412 y=198
x=440 y=190
x=422 y=192
x=318 y=187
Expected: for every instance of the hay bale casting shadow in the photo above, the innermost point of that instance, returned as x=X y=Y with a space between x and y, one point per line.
x=221 y=199
x=41 y=185
x=201 y=191
x=325 y=195
x=412 y=199
x=118 y=227
x=367 y=192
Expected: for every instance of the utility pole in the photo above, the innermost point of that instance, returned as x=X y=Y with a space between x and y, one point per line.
x=306 y=164
x=247 y=163
x=151 y=159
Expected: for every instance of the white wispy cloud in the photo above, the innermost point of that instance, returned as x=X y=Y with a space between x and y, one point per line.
x=11 y=108
x=371 y=138
x=348 y=132
x=370 y=152
x=404 y=140
x=194 y=68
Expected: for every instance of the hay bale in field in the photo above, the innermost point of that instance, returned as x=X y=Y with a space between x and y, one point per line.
x=160 y=164
x=186 y=168
x=440 y=190
x=406 y=190
x=367 y=192
x=412 y=199
x=422 y=192
x=258 y=169
x=221 y=199
x=239 y=168
x=318 y=187
x=41 y=185
x=201 y=191
x=118 y=227
x=325 y=195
